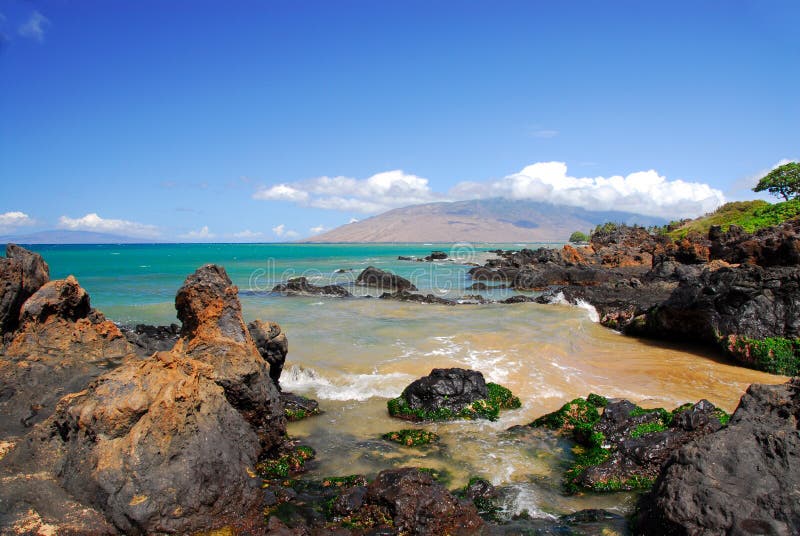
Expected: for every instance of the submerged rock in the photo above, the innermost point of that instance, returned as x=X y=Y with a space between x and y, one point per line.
x=742 y=479
x=406 y=296
x=375 y=277
x=299 y=286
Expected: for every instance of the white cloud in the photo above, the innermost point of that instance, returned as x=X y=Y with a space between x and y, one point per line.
x=353 y=220
x=13 y=220
x=282 y=232
x=93 y=222
x=281 y=192
x=318 y=229
x=380 y=192
x=643 y=192
x=34 y=28
x=201 y=234
x=746 y=184
x=247 y=234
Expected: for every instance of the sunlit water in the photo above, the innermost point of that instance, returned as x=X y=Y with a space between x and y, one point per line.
x=355 y=354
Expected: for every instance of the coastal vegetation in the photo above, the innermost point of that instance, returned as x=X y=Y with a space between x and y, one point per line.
x=751 y=216
x=783 y=181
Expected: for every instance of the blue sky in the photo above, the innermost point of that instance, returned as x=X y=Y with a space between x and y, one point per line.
x=264 y=120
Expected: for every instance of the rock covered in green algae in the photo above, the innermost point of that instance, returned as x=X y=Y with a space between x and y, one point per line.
x=411 y=437
x=454 y=393
x=625 y=446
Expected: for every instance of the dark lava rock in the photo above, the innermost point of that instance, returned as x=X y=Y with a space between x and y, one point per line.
x=299 y=286
x=452 y=389
x=436 y=256
x=149 y=339
x=375 y=277
x=272 y=344
x=404 y=258
x=420 y=505
x=748 y=301
x=519 y=298
x=406 y=296
x=22 y=273
x=296 y=405
x=742 y=479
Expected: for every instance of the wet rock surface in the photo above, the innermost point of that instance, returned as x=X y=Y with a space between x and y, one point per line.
x=299 y=286
x=744 y=479
x=452 y=389
x=380 y=279
x=406 y=296
x=624 y=446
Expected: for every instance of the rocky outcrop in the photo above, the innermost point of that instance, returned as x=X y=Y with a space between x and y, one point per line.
x=272 y=344
x=452 y=389
x=60 y=345
x=299 y=286
x=406 y=296
x=436 y=256
x=380 y=279
x=168 y=443
x=625 y=446
x=419 y=505
x=740 y=480
x=22 y=273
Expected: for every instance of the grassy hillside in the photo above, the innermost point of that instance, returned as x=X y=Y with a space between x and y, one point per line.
x=750 y=215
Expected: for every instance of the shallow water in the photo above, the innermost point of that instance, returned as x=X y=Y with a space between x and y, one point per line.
x=354 y=354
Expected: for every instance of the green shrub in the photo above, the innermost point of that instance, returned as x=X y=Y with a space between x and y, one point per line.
x=578 y=236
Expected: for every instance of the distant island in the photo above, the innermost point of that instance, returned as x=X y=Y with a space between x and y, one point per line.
x=486 y=220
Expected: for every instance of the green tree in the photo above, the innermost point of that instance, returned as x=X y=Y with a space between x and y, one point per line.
x=782 y=181
x=578 y=236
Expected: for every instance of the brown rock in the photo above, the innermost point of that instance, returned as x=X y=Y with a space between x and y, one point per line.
x=64 y=298
x=21 y=274
x=272 y=344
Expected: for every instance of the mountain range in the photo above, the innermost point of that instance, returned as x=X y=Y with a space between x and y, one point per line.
x=486 y=220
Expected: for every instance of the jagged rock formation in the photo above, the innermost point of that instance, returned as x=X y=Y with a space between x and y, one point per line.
x=452 y=389
x=743 y=479
x=22 y=273
x=272 y=344
x=162 y=444
x=60 y=344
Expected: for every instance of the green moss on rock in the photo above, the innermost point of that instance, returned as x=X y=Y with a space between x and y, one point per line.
x=497 y=398
x=776 y=355
x=286 y=463
x=411 y=437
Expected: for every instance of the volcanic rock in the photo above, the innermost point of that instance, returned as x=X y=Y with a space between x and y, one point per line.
x=22 y=273
x=299 y=286
x=742 y=479
x=375 y=277
x=420 y=505
x=272 y=344
x=167 y=444
x=452 y=389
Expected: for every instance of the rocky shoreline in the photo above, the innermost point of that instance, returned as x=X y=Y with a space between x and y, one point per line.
x=182 y=429
x=734 y=291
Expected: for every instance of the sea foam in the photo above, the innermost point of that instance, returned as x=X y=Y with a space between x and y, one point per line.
x=358 y=387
